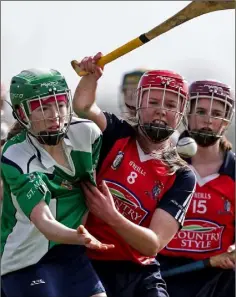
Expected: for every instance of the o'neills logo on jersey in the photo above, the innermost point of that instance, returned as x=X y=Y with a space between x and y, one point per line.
x=66 y=184
x=126 y=203
x=197 y=236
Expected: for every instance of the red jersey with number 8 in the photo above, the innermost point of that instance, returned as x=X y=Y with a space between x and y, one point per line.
x=139 y=184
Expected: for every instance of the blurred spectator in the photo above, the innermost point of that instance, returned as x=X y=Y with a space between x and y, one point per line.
x=4 y=122
x=127 y=102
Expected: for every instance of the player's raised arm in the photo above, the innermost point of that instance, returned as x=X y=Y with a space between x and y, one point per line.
x=84 y=103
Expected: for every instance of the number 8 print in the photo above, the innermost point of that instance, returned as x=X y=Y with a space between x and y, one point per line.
x=131 y=178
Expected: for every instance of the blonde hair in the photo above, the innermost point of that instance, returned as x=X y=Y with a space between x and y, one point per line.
x=225 y=144
x=171 y=159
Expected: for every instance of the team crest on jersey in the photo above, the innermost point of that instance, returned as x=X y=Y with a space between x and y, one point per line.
x=227 y=207
x=156 y=191
x=66 y=184
x=32 y=177
x=126 y=203
x=118 y=159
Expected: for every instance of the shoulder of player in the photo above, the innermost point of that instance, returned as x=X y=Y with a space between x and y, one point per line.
x=185 y=177
x=117 y=123
x=79 y=125
x=228 y=166
x=16 y=152
x=113 y=117
x=17 y=139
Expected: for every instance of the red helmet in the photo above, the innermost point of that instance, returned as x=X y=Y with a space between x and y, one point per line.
x=164 y=79
x=212 y=90
x=168 y=81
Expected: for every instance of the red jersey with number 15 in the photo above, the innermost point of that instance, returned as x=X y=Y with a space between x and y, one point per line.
x=139 y=184
x=209 y=227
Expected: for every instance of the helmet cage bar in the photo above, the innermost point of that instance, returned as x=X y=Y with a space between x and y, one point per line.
x=228 y=113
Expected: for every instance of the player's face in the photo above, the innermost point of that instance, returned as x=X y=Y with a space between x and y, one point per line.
x=129 y=97
x=157 y=106
x=52 y=116
x=207 y=114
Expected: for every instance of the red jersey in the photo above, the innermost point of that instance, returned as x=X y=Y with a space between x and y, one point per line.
x=139 y=184
x=209 y=226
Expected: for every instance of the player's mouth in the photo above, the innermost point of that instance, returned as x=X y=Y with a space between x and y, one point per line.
x=54 y=128
x=158 y=122
x=206 y=130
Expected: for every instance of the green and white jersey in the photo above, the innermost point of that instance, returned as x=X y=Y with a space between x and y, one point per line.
x=30 y=175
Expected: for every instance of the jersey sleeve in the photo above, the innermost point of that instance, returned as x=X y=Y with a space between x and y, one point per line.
x=27 y=189
x=96 y=147
x=115 y=130
x=96 y=143
x=177 y=199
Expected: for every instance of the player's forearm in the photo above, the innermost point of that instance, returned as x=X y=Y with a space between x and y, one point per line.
x=57 y=232
x=140 y=238
x=84 y=97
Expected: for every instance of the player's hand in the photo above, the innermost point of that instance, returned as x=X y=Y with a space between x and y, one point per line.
x=89 y=64
x=224 y=260
x=100 y=201
x=85 y=238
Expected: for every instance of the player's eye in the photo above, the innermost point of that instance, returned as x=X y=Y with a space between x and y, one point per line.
x=171 y=106
x=44 y=108
x=201 y=112
x=217 y=114
x=153 y=103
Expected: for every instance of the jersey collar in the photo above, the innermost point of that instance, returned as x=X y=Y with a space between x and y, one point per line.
x=43 y=156
x=228 y=165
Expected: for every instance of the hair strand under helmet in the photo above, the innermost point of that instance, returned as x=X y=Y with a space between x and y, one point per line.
x=167 y=81
x=29 y=90
x=212 y=90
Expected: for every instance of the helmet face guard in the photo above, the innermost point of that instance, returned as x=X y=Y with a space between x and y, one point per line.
x=40 y=98
x=167 y=83
x=44 y=136
x=219 y=109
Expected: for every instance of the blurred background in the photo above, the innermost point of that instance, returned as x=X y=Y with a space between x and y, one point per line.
x=49 y=34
